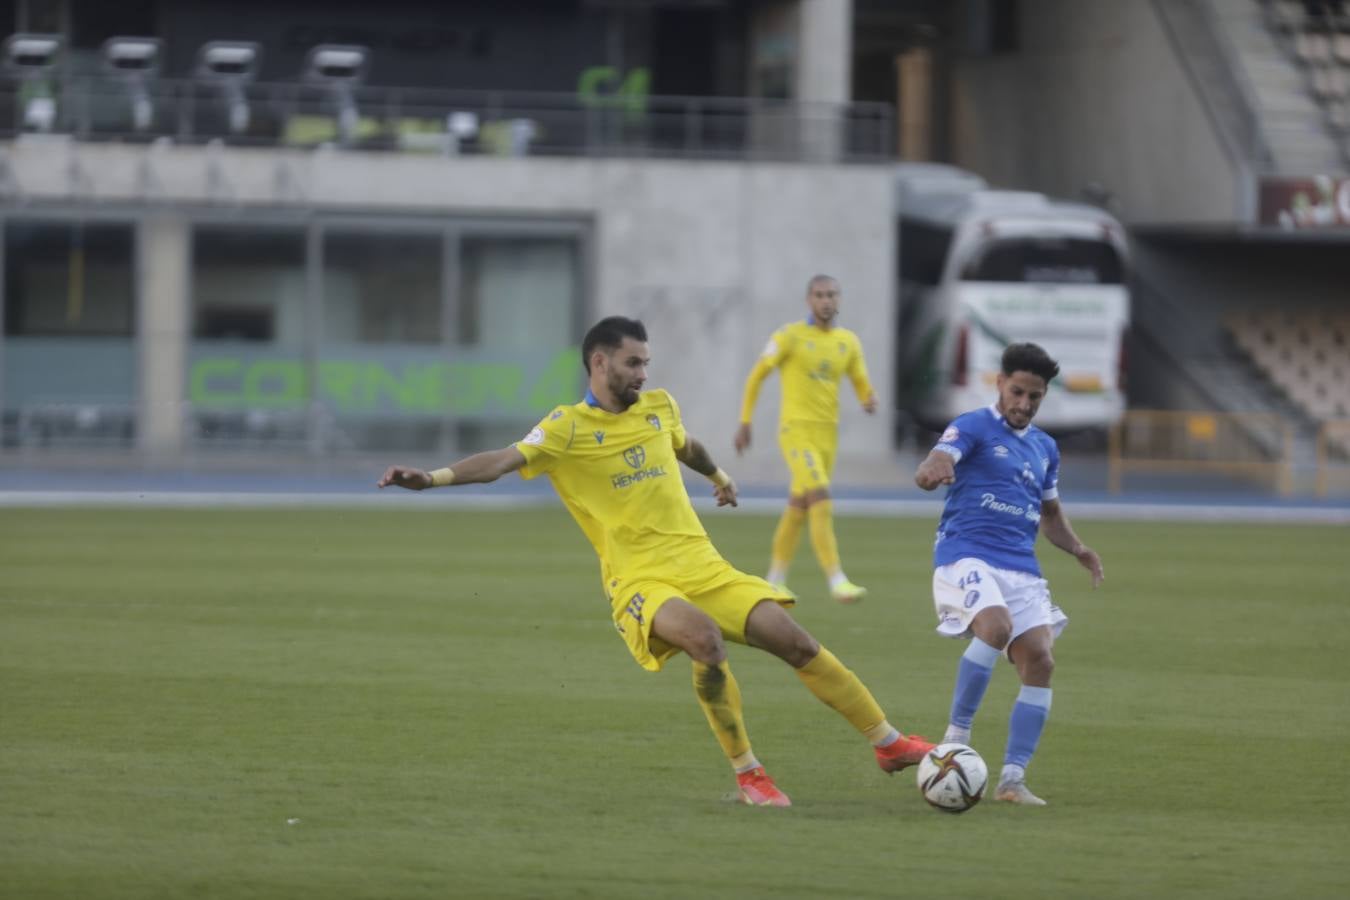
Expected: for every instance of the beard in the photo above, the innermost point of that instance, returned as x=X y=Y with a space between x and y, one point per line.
x=624 y=391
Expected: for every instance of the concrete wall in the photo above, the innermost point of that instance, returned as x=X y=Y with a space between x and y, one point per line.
x=1095 y=93
x=713 y=256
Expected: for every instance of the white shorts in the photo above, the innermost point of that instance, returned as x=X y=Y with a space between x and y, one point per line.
x=965 y=587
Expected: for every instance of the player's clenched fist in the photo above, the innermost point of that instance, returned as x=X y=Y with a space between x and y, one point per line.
x=405 y=477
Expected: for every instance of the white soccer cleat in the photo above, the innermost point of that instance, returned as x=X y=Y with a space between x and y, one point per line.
x=1016 y=792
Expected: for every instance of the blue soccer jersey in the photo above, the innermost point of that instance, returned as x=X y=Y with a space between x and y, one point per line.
x=993 y=510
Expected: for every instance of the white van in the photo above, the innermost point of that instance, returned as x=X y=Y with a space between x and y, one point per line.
x=982 y=268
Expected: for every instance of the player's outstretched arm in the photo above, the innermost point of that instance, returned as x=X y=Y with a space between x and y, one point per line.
x=696 y=456
x=938 y=468
x=481 y=468
x=1056 y=528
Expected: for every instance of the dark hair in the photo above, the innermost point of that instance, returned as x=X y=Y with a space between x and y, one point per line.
x=609 y=333
x=1029 y=358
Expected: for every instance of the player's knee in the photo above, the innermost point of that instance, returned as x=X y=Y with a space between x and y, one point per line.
x=1039 y=667
x=800 y=650
x=995 y=633
x=705 y=645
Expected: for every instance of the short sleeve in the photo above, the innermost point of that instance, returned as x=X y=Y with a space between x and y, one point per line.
x=1050 y=485
x=958 y=439
x=678 y=437
x=546 y=443
x=777 y=348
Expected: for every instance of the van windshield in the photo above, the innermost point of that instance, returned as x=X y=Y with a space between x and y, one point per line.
x=1046 y=260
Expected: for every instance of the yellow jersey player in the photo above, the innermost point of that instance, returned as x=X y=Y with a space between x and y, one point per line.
x=812 y=356
x=614 y=460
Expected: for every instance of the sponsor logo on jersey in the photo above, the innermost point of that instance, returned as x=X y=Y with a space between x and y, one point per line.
x=993 y=504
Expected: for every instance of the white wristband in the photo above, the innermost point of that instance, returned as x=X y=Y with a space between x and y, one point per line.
x=720 y=478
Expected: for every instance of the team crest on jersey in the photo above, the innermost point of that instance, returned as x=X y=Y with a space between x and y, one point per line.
x=1000 y=450
x=599 y=436
x=951 y=434
x=635 y=457
x=536 y=436
x=654 y=421
x=557 y=414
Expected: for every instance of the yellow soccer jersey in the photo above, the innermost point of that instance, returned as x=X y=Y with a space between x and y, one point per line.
x=618 y=476
x=812 y=362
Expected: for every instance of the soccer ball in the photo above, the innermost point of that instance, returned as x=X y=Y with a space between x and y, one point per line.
x=952 y=777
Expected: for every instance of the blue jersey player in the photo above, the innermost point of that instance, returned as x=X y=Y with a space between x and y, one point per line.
x=1003 y=474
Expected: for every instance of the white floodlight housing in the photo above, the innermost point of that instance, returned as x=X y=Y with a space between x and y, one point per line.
x=337 y=63
x=31 y=53
x=229 y=60
x=132 y=56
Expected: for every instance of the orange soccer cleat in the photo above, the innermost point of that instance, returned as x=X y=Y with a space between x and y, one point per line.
x=758 y=789
x=902 y=753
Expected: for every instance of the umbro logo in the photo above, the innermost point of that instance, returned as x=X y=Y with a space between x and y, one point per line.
x=1000 y=450
x=599 y=436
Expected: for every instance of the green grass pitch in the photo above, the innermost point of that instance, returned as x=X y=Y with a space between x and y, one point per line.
x=385 y=704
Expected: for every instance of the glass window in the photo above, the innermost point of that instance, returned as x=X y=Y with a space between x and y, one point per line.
x=923 y=251
x=382 y=287
x=519 y=308
x=64 y=278
x=1046 y=260
x=248 y=380
x=69 y=354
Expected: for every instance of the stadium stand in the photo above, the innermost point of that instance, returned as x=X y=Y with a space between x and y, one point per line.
x=1304 y=353
x=1316 y=36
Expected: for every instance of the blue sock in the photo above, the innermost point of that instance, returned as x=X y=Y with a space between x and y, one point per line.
x=1026 y=723
x=972 y=677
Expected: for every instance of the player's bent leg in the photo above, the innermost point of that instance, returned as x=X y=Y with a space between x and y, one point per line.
x=785 y=539
x=820 y=514
x=989 y=632
x=769 y=627
x=681 y=624
x=1030 y=652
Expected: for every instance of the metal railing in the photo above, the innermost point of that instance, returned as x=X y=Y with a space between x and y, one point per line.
x=443 y=121
x=1202 y=442
x=1333 y=456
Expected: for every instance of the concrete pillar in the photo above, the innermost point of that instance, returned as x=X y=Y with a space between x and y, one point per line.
x=824 y=78
x=162 y=285
x=825 y=51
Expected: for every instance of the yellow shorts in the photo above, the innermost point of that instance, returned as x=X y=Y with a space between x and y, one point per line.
x=726 y=594
x=808 y=448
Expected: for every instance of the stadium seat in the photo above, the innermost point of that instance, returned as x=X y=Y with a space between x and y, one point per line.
x=1304 y=353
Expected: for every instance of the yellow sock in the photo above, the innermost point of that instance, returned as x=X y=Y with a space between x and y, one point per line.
x=785 y=539
x=821 y=515
x=720 y=696
x=837 y=687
